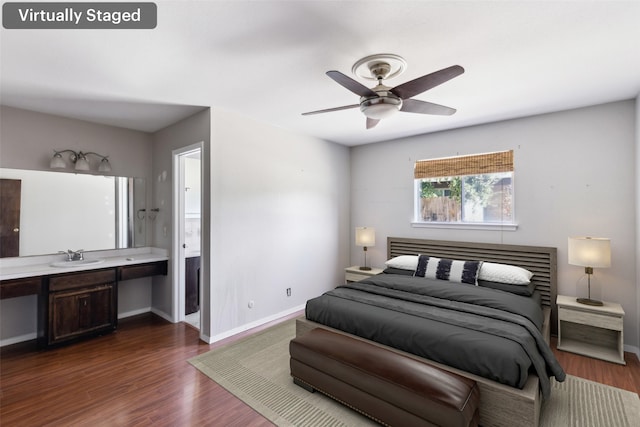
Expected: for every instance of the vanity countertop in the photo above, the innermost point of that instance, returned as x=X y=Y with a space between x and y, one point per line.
x=16 y=268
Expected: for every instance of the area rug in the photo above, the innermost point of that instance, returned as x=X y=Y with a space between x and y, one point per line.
x=256 y=370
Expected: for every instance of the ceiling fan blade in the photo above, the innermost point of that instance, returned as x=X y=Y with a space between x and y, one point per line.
x=349 y=83
x=371 y=123
x=422 y=107
x=429 y=81
x=328 y=110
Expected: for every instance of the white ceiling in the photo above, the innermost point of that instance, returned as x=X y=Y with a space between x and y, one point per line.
x=267 y=59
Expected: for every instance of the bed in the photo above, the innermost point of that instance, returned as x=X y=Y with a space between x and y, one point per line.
x=512 y=397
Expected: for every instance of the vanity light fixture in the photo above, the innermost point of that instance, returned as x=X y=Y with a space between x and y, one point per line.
x=80 y=160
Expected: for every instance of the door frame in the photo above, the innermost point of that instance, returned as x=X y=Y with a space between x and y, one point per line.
x=178 y=251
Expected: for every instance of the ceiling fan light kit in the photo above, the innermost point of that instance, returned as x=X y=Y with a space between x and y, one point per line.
x=381 y=107
x=381 y=102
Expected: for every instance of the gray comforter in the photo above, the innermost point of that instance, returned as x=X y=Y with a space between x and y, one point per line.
x=486 y=332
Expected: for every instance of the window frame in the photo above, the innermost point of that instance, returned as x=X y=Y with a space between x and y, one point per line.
x=511 y=225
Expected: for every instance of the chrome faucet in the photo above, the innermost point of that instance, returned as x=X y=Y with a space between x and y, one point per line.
x=73 y=255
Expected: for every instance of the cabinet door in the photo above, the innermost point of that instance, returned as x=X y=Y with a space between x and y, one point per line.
x=192 y=285
x=79 y=312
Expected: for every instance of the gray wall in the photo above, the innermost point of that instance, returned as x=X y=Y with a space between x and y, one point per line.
x=275 y=214
x=279 y=218
x=280 y=209
x=27 y=141
x=637 y=211
x=189 y=131
x=574 y=175
x=275 y=211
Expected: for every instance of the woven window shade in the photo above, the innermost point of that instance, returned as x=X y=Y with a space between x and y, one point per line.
x=465 y=165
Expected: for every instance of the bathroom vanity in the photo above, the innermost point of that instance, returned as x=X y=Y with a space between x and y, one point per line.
x=76 y=305
x=81 y=300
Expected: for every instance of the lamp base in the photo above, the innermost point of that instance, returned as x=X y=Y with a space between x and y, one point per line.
x=365 y=268
x=589 y=301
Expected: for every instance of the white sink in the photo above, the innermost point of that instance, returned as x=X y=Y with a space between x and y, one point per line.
x=69 y=264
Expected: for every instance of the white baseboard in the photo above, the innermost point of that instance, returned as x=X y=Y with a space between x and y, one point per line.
x=205 y=338
x=632 y=349
x=20 y=338
x=134 y=312
x=162 y=314
x=254 y=324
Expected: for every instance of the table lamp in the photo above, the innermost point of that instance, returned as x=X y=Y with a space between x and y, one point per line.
x=589 y=252
x=365 y=236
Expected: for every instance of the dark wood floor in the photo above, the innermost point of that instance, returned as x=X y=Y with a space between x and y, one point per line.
x=626 y=377
x=139 y=376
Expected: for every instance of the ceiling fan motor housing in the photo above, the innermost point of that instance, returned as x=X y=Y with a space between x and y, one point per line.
x=379 y=70
x=382 y=106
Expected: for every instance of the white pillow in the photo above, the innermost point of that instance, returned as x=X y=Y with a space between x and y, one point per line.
x=504 y=273
x=403 y=262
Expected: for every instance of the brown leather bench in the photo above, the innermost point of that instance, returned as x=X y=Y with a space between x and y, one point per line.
x=388 y=387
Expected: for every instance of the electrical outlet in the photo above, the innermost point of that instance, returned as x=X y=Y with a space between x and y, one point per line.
x=288 y=292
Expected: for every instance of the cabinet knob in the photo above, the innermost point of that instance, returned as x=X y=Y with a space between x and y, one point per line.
x=15 y=230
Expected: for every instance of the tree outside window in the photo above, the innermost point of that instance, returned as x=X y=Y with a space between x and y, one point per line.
x=468 y=198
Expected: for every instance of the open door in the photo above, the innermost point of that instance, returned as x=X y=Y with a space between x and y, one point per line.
x=10 y=192
x=187 y=229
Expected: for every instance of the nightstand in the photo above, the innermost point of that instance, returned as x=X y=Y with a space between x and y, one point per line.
x=354 y=274
x=592 y=331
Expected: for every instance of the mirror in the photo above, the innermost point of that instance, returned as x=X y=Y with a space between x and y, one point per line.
x=45 y=212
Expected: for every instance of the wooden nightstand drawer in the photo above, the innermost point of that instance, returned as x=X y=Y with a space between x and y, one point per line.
x=592 y=319
x=354 y=277
x=354 y=274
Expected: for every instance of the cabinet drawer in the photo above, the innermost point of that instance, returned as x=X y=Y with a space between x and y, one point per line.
x=591 y=319
x=79 y=280
x=20 y=287
x=128 y=272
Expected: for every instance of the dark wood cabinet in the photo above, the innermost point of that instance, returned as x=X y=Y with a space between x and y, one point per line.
x=128 y=272
x=74 y=305
x=79 y=305
x=192 y=285
x=20 y=287
x=79 y=313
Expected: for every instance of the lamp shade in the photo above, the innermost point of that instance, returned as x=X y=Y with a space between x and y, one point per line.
x=82 y=164
x=381 y=107
x=105 y=166
x=590 y=251
x=365 y=236
x=57 y=162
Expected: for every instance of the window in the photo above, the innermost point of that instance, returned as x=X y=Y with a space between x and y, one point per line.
x=474 y=190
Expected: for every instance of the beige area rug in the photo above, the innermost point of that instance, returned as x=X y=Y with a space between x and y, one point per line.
x=256 y=370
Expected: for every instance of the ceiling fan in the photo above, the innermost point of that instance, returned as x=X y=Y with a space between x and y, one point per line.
x=382 y=101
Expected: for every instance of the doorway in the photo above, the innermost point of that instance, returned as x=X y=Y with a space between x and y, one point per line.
x=188 y=233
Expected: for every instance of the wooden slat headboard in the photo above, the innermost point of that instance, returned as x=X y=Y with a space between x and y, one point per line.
x=541 y=261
